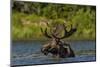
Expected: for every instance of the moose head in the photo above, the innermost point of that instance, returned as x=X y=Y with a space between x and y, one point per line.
x=56 y=46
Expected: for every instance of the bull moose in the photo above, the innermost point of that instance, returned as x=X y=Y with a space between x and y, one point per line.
x=57 y=47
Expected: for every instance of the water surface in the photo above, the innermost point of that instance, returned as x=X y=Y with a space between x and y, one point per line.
x=28 y=53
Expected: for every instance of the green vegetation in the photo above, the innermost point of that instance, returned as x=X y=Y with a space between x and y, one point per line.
x=29 y=17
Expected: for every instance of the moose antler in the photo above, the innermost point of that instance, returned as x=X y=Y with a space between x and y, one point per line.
x=45 y=33
x=67 y=33
x=54 y=32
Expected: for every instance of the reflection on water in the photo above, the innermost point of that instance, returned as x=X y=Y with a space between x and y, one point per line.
x=26 y=53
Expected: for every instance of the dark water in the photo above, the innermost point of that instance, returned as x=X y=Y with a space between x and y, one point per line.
x=28 y=53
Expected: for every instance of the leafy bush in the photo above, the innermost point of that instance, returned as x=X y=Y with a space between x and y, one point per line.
x=26 y=24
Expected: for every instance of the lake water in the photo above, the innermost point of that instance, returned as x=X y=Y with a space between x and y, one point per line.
x=28 y=53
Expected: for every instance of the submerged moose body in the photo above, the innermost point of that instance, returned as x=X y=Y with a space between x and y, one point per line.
x=56 y=46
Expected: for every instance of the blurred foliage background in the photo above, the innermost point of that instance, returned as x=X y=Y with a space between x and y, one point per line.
x=28 y=17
